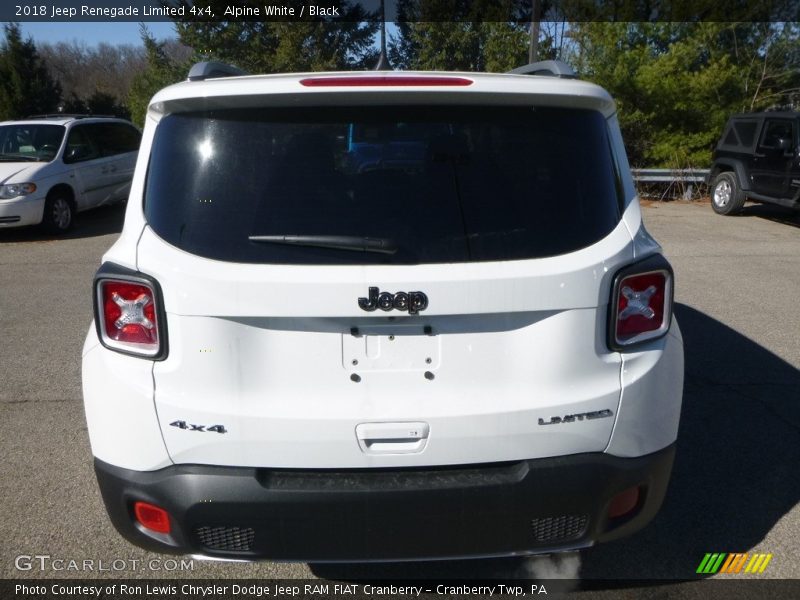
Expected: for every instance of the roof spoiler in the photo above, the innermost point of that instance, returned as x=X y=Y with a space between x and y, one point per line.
x=548 y=68
x=212 y=70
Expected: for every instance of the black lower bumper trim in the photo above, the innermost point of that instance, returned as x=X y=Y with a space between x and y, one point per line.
x=531 y=506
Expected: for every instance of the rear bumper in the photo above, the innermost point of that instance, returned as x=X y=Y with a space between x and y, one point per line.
x=503 y=509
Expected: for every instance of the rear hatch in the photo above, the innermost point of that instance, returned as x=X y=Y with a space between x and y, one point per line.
x=394 y=285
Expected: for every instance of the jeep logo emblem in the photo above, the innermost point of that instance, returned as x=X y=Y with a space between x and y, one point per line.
x=413 y=302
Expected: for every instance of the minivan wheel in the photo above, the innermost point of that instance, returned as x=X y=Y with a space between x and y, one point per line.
x=726 y=196
x=58 y=214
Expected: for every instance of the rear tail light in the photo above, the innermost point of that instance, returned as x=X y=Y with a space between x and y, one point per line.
x=128 y=312
x=641 y=303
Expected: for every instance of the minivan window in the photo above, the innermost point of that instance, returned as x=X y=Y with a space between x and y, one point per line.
x=115 y=138
x=382 y=184
x=80 y=145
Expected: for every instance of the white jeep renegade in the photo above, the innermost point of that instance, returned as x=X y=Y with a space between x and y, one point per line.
x=382 y=316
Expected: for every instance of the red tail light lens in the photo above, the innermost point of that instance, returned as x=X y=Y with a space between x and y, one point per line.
x=129 y=312
x=152 y=517
x=641 y=306
x=127 y=315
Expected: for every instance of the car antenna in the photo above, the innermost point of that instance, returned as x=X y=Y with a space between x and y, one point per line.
x=383 y=61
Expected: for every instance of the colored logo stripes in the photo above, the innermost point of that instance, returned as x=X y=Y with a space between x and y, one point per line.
x=722 y=562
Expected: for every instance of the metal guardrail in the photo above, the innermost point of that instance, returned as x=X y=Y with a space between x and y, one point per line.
x=684 y=179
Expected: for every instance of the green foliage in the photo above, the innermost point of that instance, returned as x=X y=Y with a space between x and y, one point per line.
x=460 y=35
x=71 y=104
x=460 y=46
x=677 y=83
x=336 y=43
x=101 y=103
x=159 y=72
x=25 y=85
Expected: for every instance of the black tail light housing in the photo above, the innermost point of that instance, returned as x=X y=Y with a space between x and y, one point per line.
x=129 y=312
x=640 y=309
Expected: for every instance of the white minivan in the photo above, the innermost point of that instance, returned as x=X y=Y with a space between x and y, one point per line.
x=382 y=316
x=53 y=166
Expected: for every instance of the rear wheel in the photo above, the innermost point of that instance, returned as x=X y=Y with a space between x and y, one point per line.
x=727 y=197
x=58 y=214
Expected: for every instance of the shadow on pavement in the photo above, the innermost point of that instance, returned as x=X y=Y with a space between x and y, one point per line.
x=735 y=474
x=770 y=212
x=92 y=223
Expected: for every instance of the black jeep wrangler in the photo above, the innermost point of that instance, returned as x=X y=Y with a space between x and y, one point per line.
x=757 y=158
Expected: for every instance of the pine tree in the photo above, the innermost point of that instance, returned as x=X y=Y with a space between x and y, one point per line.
x=464 y=35
x=336 y=43
x=26 y=87
x=159 y=73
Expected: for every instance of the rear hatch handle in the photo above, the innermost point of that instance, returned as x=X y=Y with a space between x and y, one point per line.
x=392 y=438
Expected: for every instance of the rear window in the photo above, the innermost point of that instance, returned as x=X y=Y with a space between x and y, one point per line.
x=382 y=185
x=746 y=131
x=739 y=135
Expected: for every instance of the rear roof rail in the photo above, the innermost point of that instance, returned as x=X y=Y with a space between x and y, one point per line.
x=212 y=70
x=548 y=68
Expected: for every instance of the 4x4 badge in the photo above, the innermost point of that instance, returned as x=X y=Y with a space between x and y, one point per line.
x=413 y=302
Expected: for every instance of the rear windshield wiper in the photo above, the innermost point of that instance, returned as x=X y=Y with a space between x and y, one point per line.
x=339 y=242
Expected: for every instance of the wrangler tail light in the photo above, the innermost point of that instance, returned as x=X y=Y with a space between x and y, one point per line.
x=641 y=303
x=128 y=312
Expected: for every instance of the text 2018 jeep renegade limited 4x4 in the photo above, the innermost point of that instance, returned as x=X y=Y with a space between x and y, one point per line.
x=382 y=316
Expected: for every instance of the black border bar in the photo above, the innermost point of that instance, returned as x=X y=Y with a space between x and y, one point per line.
x=399 y=10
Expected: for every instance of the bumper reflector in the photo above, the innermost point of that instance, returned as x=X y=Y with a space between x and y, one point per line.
x=152 y=517
x=623 y=503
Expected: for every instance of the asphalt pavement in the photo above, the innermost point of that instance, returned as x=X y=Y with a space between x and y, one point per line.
x=735 y=485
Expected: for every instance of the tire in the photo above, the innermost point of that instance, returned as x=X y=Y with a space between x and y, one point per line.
x=58 y=214
x=727 y=198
